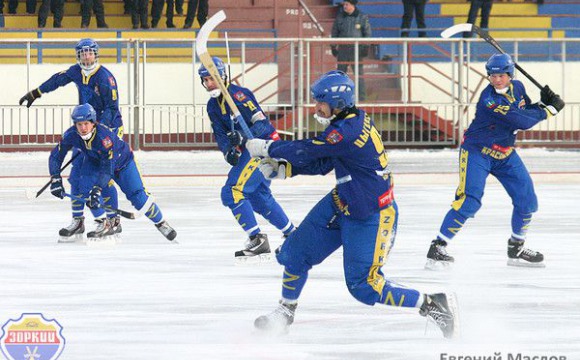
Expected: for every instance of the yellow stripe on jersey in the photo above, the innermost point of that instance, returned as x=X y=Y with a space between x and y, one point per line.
x=460 y=192
x=383 y=245
x=238 y=189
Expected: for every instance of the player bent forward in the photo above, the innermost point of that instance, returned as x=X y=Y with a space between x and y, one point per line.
x=503 y=109
x=106 y=158
x=360 y=213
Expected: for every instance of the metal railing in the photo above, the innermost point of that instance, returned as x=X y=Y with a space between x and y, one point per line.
x=414 y=100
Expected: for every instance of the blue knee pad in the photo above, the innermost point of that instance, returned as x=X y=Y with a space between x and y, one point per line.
x=469 y=207
x=228 y=197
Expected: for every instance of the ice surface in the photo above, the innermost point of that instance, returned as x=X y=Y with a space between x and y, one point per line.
x=149 y=299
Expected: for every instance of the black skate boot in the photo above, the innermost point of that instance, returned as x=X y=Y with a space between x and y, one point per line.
x=278 y=320
x=437 y=256
x=441 y=309
x=116 y=226
x=103 y=231
x=257 y=250
x=166 y=230
x=73 y=232
x=518 y=255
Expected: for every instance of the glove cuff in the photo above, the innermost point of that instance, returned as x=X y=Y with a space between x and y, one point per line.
x=36 y=93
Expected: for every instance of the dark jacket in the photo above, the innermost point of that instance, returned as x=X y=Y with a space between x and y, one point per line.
x=355 y=25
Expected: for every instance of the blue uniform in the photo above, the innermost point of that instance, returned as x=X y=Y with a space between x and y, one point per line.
x=246 y=190
x=359 y=214
x=106 y=158
x=487 y=148
x=100 y=90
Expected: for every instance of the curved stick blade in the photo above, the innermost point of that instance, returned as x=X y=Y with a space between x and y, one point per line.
x=205 y=31
x=456 y=29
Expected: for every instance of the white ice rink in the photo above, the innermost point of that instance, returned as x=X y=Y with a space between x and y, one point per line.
x=148 y=299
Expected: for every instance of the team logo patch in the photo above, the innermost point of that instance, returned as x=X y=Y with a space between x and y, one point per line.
x=112 y=81
x=97 y=90
x=107 y=142
x=522 y=103
x=240 y=96
x=490 y=104
x=334 y=137
x=32 y=337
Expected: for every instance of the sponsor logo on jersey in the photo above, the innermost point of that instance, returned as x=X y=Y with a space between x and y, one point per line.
x=112 y=81
x=386 y=198
x=97 y=90
x=334 y=137
x=274 y=136
x=522 y=103
x=490 y=104
x=107 y=143
x=240 y=96
x=32 y=336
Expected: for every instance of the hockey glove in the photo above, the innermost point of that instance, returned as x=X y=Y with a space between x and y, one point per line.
x=30 y=97
x=56 y=187
x=275 y=169
x=233 y=156
x=95 y=200
x=236 y=138
x=258 y=147
x=546 y=94
x=553 y=105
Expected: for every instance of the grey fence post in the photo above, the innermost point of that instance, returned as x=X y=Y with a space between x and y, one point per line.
x=136 y=97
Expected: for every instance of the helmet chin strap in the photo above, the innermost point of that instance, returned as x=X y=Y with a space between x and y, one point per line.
x=324 y=121
x=88 y=135
x=215 y=93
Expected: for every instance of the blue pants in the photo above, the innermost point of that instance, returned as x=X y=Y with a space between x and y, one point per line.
x=474 y=168
x=131 y=184
x=366 y=244
x=247 y=191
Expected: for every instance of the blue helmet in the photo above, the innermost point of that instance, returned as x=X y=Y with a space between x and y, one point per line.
x=219 y=64
x=500 y=64
x=334 y=88
x=86 y=46
x=84 y=112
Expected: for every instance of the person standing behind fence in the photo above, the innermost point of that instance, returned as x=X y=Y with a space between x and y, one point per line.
x=192 y=6
x=351 y=23
x=485 y=6
x=139 y=10
x=57 y=8
x=97 y=7
x=157 y=9
x=408 y=7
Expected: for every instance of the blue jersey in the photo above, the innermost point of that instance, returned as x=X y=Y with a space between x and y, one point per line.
x=104 y=148
x=498 y=117
x=98 y=89
x=353 y=147
x=219 y=114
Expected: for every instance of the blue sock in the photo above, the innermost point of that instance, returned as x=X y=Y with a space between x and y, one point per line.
x=292 y=284
x=244 y=214
x=520 y=225
x=111 y=199
x=154 y=213
x=277 y=217
x=451 y=225
x=397 y=295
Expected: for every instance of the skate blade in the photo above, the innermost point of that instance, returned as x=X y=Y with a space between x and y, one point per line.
x=524 y=263
x=77 y=238
x=253 y=260
x=435 y=265
x=454 y=308
x=103 y=242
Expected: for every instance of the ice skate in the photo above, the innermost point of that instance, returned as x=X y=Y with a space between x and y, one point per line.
x=257 y=250
x=166 y=230
x=441 y=309
x=73 y=232
x=116 y=226
x=518 y=255
x=103 y=234
x=278 y=320
x=437 y=257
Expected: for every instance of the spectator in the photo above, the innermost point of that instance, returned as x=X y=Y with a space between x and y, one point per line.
x=97 y=7
x=57 y=8
x=419 y=7
x=139 y=9
x=192 y=6
x=157 y=9
x=351 y=23
x=179 y=7
x=485 y=6
x=12 y=6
